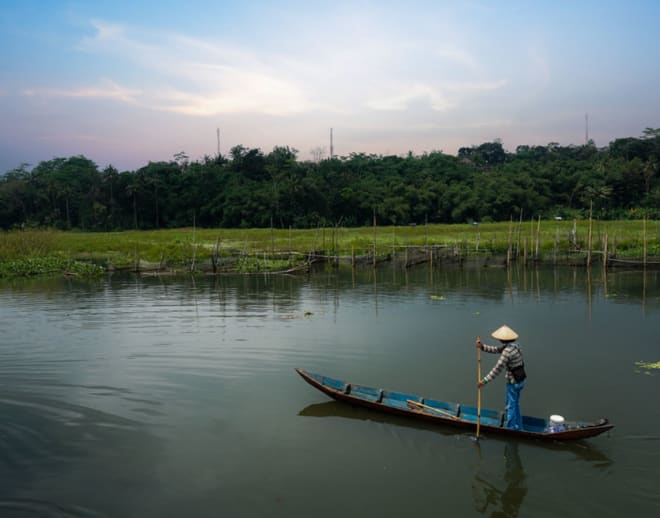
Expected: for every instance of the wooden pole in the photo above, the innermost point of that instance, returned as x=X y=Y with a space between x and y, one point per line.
x=444 y=413
x=538 y=238
x=591 y=206
x=478 y=390
x=374 y=238
x=508 y=250
x=519 y=233
x=644 y=245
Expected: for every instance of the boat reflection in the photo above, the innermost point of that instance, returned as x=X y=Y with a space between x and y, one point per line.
x=582 y=450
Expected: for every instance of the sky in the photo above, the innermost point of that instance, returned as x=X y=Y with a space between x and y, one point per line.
x=128 y=82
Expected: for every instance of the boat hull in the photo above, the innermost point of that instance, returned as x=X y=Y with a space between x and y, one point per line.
x=450 y=414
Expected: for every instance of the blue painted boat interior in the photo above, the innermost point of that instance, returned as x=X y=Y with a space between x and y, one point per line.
x=399 y=400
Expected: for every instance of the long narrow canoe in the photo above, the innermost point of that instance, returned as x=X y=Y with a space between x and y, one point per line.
x=453 y=414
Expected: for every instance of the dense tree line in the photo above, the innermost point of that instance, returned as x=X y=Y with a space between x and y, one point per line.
x=249 y=188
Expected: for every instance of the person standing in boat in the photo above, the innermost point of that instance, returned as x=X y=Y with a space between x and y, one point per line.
x=511 y=359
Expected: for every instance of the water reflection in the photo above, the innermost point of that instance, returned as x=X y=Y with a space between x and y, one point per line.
x=50 y=447
x=494 y=501
x=582 y=450
x=183 y=389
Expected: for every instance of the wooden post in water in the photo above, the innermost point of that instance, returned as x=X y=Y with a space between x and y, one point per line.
x=508 y=250
x=605 y=252
x=214 y=256
x=538 y=238
x=374 y=238
x=194 y=256
x=519 y=232
x=531 y=237
x=591 y=206
x=644 y=245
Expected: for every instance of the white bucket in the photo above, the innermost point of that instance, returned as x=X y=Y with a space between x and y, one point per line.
x=556 y=423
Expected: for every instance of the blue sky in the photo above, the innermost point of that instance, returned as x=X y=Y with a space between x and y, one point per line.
x=128 y=82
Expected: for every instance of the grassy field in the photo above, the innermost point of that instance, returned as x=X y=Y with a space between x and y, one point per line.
x=275 y=249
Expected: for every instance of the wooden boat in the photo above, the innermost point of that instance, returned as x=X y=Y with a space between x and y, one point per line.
x=453 y=414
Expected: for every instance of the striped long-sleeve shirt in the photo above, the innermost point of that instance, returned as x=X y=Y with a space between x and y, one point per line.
x=510 y=357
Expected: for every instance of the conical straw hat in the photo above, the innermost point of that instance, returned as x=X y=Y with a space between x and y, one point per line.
x=504 y=334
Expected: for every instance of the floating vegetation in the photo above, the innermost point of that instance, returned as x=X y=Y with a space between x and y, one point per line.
x=48 y=265
x=437 y=297
x=648 y=367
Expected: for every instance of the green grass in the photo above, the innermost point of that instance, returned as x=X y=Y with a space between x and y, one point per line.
x=270 y=248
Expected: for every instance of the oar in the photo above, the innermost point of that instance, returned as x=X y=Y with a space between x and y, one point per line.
x=479 y=389
x=432 y=409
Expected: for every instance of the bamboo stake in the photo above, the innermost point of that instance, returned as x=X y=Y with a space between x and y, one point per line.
x=508 y=250
x=215 y=255
x=538 y=237
x=591 y=206
x=374 y=238
x=519 y=232
x=644 y=238
x=531 y=236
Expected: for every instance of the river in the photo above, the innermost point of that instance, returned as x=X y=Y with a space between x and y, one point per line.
x=177 y=396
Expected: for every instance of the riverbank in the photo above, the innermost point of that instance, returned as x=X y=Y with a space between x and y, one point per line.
x=612 y=243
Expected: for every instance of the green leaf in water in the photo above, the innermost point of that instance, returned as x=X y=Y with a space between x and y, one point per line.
x=648 y=367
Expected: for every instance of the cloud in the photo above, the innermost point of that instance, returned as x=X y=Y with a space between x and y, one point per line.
x=68 y=137
x=441 y=98
x=458 y=56
x=539 y=68
x=106 y=90
x=407 y=95
x=203 y=78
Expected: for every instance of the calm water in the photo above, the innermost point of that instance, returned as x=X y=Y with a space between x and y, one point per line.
x=177 y=396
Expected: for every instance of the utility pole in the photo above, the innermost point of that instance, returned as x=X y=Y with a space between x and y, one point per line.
x=586 y=129
x=218 y=134
x=332 y=149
